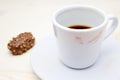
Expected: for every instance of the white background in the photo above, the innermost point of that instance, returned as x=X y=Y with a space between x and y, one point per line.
x=17 y=16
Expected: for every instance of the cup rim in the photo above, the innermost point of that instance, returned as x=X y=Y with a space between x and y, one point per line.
x=57 y=12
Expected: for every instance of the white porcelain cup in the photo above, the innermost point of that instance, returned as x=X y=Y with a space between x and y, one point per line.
x=80 y=48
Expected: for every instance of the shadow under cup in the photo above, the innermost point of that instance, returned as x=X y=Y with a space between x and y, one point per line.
x=80 y=16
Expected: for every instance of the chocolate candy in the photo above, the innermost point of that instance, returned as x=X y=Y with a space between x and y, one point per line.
x=21 y=43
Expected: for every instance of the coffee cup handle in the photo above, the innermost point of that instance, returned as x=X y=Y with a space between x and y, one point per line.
x=111 y=27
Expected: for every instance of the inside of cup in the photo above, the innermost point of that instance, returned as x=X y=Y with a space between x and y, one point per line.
x=80 y=16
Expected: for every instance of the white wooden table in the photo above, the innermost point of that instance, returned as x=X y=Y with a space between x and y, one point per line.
x=17 y=16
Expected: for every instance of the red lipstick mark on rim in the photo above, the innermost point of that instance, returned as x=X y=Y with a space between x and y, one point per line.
x=79 y=39
x=94 y=39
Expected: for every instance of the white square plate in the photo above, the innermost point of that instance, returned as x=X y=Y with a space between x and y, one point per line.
x=45 y=62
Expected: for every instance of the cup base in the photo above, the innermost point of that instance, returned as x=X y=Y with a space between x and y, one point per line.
x=77 y=68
